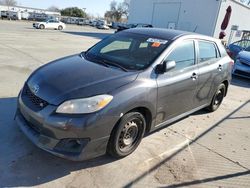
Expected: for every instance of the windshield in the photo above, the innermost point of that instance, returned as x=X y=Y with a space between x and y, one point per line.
x=247 y=49
x=242 y=43
x=128 y=50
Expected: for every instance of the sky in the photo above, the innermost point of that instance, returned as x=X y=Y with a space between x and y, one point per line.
x=95 y=7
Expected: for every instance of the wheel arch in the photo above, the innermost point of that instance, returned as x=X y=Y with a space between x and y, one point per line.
x=226 y=83
x=147 y=115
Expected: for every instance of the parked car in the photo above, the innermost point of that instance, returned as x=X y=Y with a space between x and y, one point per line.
x=83 y=21
x=129 y=26
x=11 y=15
x=49 y=24
x=127 y=85
x=236 y=47
x=115 y=25
x=103 y=27
x=242 y=64
x=93 y=23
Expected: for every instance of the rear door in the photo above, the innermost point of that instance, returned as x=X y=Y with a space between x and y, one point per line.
x=210 y=71
x=177 y=87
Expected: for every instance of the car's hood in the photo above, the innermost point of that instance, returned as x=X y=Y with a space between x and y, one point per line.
x=244 y=55
x=74 y=77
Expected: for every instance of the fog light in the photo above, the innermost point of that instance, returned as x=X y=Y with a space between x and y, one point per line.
x=71 y=146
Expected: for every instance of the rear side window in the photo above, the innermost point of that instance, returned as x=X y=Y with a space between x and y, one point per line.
x=207 y=51
x=183 y=55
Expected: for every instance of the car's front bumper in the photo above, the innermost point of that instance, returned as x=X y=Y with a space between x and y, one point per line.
x=72 y=137
x=35 y=25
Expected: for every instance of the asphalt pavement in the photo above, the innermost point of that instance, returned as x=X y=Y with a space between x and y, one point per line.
x=202 y=150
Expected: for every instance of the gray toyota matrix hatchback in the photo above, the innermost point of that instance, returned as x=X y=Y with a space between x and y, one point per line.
x=129 y=84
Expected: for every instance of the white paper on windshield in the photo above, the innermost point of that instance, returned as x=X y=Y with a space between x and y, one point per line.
x=152 y=40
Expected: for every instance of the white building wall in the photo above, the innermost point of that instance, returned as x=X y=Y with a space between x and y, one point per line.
x=190 y=15
x=240 y=16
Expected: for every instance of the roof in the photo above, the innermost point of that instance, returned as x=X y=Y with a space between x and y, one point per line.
x=168 y=34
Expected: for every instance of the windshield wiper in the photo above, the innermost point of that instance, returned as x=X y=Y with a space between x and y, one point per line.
x=94 y=59
x=104 y=62
x=115 y=65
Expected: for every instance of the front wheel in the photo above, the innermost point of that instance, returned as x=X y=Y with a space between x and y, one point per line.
x=217 y=98
x=42 y=26
x=127 y=135
x=60 y=27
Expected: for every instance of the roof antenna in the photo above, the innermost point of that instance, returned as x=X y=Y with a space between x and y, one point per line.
x=195 y=28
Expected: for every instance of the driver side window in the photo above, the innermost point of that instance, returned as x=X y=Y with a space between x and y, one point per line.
x=183 y=55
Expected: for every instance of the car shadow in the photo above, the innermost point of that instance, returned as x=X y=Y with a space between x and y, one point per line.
x=89 y=34
x=241 y=82
x=181 y=149
x=22 y=163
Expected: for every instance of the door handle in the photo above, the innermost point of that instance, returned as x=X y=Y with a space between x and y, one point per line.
x=220 y=68
x=194 y=76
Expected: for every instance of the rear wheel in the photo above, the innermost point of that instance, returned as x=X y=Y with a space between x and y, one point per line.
x=42 y=26
x=127 y=135
x=60 y=27
x=217 y=98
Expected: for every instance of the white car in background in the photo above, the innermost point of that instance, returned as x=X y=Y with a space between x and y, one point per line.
x=103 y=27
x=49 y=24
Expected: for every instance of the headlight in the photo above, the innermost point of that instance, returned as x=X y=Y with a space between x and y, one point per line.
x=84 y=106
x=238 y=61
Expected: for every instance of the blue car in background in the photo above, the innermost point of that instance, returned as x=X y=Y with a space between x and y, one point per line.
x=242 y=58
x=235 y=48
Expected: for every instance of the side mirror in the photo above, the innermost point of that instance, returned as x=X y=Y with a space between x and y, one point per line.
x=170 y=65
x=165 y=66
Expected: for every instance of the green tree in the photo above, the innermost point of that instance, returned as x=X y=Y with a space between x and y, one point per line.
x=73 y=12
x=53 y=9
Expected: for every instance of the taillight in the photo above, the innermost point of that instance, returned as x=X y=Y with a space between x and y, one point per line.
x=232 y=63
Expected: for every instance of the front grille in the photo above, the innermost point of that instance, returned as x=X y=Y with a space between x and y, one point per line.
x=245 y=63
x=31 y=100
x=242 y=73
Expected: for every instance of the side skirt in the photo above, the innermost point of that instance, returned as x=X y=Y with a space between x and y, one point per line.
x=179 y=117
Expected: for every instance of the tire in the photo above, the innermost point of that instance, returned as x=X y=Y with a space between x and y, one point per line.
x=41 y=26
x=60 y=27
x=217 y=98
x=126 y=135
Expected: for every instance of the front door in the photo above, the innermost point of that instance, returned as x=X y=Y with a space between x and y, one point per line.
x=177 y=87
x=51 y=24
